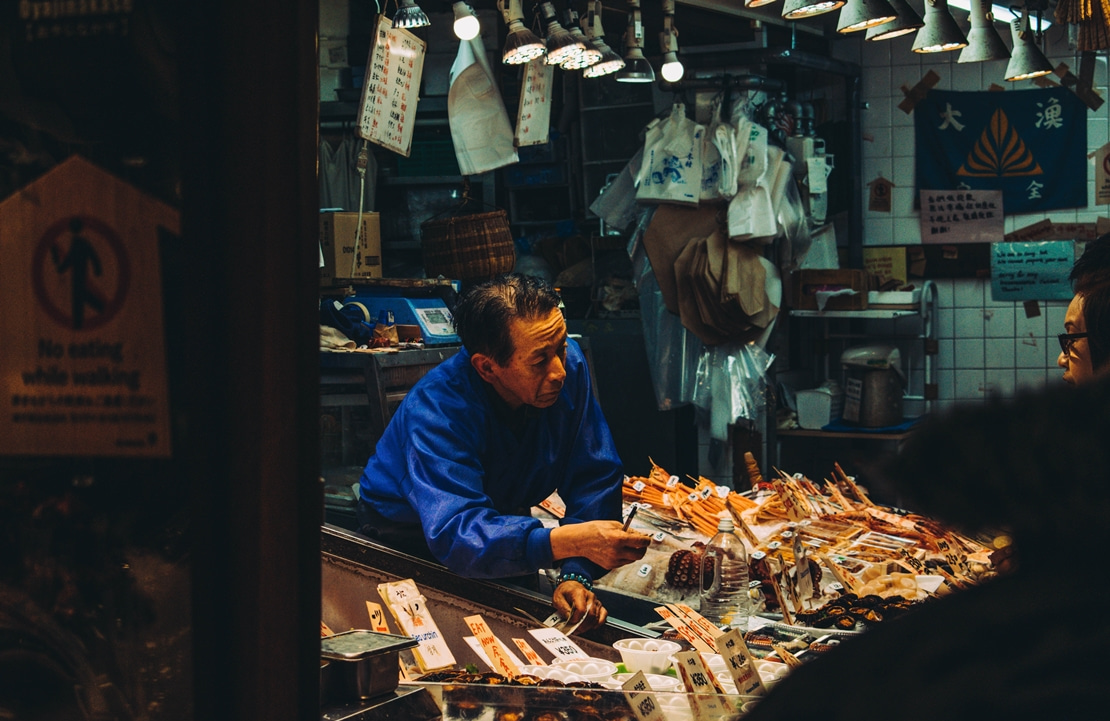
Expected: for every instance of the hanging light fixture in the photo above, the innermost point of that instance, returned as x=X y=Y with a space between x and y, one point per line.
x=798 y=9
x=521 y=44
x=863 y=14
x=636 y=67
x=586 y=58
x=561 y=45
x=409 y=15
x=466 y=25
x=907 y=21
x=757 y=3
x=1026 y=60
x=672 y=69
x=610 y=62
x=983 y=41
x=941 y=33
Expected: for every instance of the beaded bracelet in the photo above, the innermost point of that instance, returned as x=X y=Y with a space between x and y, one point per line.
x=577 y=577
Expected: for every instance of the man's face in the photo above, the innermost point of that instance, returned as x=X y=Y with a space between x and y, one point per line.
x=535 y=373
x=1076 y=361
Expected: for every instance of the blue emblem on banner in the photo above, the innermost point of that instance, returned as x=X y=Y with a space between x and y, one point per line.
x=1030 y=144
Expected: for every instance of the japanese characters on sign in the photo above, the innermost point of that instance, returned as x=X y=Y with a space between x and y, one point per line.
x=533 y=119
x=391 y=88
x=961 y=216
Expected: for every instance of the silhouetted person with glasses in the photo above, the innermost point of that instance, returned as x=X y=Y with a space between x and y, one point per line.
x=1085 y=342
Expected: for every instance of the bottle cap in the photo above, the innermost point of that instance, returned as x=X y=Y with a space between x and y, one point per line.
x=725 y=522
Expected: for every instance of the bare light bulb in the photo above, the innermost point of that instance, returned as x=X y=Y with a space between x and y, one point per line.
x=466 y=24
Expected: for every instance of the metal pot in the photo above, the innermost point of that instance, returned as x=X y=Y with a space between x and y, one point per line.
x=873 y=385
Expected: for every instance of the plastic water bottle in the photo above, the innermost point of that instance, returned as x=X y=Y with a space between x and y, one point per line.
x=724 y=578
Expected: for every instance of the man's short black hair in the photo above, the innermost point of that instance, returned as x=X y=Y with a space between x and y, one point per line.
x=1093 y=267
x=485 y=311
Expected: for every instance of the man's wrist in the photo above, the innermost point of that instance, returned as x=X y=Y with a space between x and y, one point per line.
x=577 y=577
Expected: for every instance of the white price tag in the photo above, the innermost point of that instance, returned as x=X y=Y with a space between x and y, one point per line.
x=557 y=642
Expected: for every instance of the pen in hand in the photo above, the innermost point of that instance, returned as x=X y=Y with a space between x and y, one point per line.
x=628 y=520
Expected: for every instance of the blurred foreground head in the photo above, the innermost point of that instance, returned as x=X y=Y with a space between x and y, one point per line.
x=1037 y=465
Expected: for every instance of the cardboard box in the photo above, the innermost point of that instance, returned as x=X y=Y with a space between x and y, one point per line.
x=806 y=283
x=337 y=243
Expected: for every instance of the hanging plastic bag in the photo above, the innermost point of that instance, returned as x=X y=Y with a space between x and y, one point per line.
x=671 y=170
x=732 y=384
x=712 y=163
x=754 y=160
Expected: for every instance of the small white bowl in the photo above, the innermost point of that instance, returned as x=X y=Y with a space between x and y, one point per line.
x=650 y=655
x=590 y=669
x=655 y=681
x=556 y=673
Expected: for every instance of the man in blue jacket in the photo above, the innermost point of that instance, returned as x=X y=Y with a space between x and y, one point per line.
x=489 y=433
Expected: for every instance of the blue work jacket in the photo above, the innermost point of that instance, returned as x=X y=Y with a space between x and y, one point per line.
x=450 y=461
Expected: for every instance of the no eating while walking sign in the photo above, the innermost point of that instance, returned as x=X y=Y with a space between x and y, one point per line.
x=82 y=360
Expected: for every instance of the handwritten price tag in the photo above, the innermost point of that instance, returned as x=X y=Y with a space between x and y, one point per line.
x=738 y=660
x=530 y=654
x=499 y=659
x=377 y=617
x=643 y=703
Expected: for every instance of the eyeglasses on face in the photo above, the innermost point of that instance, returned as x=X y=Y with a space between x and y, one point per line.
x=1067 y=340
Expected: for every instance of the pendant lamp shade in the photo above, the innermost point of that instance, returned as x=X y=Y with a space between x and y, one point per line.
x=409 y=15
x=862 y=14
x=983 y=41
x=610 y=62
x=907 y=22
x=561 y=45
x=1026 y=60
x=636 y=68
x=940 y=33
x=521 y=44
x=796 y=9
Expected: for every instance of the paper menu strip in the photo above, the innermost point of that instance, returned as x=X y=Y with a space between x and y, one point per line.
x=533 y=118
x=684 y=629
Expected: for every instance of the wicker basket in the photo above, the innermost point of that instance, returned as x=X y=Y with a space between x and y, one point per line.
x=471 y=248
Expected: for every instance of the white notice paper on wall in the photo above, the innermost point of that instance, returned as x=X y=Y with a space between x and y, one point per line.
x=533 y=117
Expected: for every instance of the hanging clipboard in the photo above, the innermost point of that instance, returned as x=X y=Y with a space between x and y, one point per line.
x=391 y=89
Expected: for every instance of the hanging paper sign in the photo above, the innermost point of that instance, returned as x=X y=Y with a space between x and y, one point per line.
x=533 y=118
x=1032 y=271
x=1102 y=175
x=391 y=89
x=961 y=216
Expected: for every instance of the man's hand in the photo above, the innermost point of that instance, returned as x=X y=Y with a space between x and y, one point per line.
x=575 y=602
x=603 y=542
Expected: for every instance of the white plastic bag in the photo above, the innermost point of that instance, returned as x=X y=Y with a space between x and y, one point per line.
x=671 y=170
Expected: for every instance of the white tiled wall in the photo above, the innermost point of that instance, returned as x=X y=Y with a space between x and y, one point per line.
x=986 y=347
